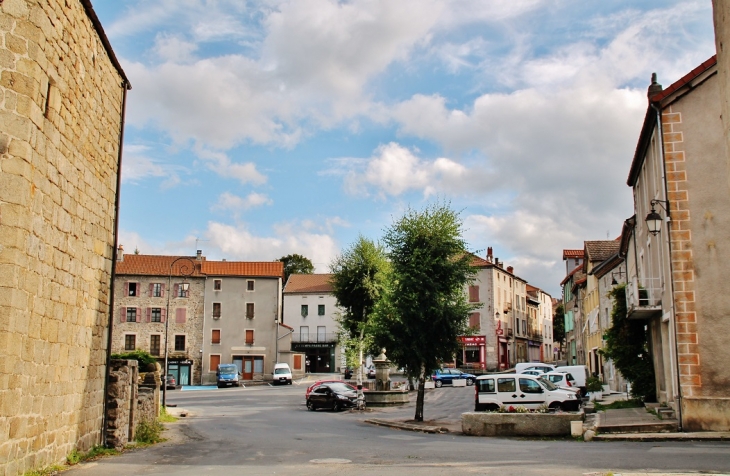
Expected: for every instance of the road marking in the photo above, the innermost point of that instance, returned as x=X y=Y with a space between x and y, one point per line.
x=330 y=461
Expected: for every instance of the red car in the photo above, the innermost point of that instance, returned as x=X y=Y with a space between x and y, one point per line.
x=319 y=382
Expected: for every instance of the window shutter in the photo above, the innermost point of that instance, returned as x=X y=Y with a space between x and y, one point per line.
x=216 y=336
x=187 y=293
x=175 y=288
x=139 y=314
x=149 y=314
x=180 y=315
x=122 y=314
x=152 y=289
x=163 y=314
x=249 y=336
x=297 y=362
x=139 y=289
x=126 y=288
x=162 y=290
x=474 y=320
x=473 y=293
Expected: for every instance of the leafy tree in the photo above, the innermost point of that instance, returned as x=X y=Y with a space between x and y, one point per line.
x=627 y=345
x=358 y=281
x=296 y=264
x=424 y=309
x=559 y=325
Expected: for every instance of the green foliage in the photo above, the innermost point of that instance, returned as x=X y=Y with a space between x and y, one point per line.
x=149 y=431
x=627 y=345
x=139 y=355
x=166 y=417
x=49 y=471
x=296 y=264
x=559 y=325
x=618 y=404
x=358 y=281
x=424 y=308
x=594 y=384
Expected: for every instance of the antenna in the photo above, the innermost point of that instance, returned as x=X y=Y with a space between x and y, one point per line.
x=197 y=240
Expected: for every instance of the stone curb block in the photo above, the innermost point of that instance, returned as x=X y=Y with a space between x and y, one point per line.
x=407 y=426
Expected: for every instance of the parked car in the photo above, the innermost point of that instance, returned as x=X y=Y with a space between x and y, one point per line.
x=520 y=390
x=371 y=372
x=447 y=376
x=579 y=373
x=227 y=375
x=282 y=374
x=170 y=383
x=533 y=372
x=334 y=395
x=563 y=380
x=522 y=366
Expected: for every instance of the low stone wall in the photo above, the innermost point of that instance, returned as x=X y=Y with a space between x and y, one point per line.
x=518 y=424
x=129 y=402
x=385 y=398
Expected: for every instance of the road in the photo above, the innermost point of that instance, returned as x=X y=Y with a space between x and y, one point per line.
x=267 y=430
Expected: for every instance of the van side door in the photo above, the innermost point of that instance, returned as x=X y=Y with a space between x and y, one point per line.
x=508 y=393
x=531 y=393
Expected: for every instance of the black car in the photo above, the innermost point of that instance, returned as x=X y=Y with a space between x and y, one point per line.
x=171 y=384
x=334 y=395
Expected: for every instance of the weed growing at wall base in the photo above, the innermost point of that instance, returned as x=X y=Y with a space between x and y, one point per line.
x=149 y=431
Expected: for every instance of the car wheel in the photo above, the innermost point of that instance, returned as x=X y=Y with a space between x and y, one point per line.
x=469 y=382
x=438 y=383
x=310 y=406
x=337 y=407
x=290 y=382
x=555 y=406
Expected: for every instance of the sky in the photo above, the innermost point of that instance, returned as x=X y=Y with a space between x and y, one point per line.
x=258 y=129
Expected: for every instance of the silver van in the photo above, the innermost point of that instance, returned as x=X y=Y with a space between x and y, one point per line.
x=519 y=390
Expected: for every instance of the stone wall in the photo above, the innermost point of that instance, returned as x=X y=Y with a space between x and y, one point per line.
x=121 y=402
x=58 y=175
x=518 y=424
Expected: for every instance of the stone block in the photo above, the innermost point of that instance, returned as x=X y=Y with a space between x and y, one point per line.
x=518 y=424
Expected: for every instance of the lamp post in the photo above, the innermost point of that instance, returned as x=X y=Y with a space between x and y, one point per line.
x=183 y=271
x=653 y=219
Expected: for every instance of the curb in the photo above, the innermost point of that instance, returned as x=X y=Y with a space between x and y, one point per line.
x=407 y=426
x=699 y=436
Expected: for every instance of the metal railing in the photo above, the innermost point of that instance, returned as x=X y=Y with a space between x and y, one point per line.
x=643 y=298
x=315 y=337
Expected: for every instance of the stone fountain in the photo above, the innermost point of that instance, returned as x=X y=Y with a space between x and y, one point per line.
x=383 y=396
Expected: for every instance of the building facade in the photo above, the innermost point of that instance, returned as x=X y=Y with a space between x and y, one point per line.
x=310 y=309
x=62 y=95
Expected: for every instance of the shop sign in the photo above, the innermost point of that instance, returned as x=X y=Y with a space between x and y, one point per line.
x=473 y=340
x=302 y=345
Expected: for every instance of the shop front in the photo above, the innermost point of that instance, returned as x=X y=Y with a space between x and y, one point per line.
x=473 y=352
x=320 y=356
x=181 y=369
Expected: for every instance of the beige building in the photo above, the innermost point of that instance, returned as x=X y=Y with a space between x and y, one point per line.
x=677 y=264
x=62 y=95
x=152 y=308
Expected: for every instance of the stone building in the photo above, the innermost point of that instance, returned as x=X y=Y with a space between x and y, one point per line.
x=62 y=96
x=151 y=308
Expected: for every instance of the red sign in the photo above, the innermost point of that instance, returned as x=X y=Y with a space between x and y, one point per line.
x=473 y=339
x=500 y=332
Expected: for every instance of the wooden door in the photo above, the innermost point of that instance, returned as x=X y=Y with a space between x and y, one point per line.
x=248 y=368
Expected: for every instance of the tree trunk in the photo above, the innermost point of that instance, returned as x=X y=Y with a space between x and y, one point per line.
x=419 y=398
x=360 y=396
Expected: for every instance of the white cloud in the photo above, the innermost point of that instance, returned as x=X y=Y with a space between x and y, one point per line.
x=229 y=202
x=137 y=166
x=174 y=49
x=220 y=163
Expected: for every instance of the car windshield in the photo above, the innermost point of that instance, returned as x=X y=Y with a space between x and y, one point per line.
x=228 y=369
x=547 y=384
x=340 y=387
x=281 y=371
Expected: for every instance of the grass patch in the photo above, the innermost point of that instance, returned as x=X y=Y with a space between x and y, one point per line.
x=149 y=432
x=49 y=471
x=76 y=457
x=618 y=404
x=166 y=417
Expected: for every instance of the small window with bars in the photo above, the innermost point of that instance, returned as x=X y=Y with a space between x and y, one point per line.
x=249 y=310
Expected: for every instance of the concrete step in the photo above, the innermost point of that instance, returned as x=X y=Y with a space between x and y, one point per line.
x=663 y=426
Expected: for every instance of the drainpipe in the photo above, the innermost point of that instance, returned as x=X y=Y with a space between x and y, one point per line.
x=126 y=86
x=673 y=346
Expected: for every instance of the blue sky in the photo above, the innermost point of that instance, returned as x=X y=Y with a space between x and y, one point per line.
x=265 y=128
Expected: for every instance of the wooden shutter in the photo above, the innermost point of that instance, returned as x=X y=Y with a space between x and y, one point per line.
x=175 y=290
x=249 y=336
x=162 y=290
x=126 y=288
x=215 y=360
x=152 y=289
x=216 y=338
x=149 y=314
x=474 y=320
x=187 y=293
x=122 y=314
x=139 y=314
x=298 y=362
x=180 y=314
x=473 y=293
x=163 y=314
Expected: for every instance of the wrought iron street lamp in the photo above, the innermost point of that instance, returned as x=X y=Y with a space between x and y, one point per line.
x=184 y=270
x=653 y=219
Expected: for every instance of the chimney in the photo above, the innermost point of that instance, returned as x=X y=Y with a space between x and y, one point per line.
x=199 y=255
x=654 y=87
x=120 y=253
x=510 y=269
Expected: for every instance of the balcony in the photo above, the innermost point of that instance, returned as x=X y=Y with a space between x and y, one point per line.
x=643 y=300
x=315 y=337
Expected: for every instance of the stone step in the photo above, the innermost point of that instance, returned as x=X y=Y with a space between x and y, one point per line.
x=663 y=426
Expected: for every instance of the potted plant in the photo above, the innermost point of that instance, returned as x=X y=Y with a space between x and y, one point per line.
x=594 y=386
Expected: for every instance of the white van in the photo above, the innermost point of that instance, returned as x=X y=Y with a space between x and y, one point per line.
x=522 y=366
x=579 y=373
x=282 y=374
x=519 y=390
x=563 y=380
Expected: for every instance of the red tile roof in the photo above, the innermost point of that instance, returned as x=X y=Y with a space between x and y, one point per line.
x=266 y=269
x=156 y=265
x=684 y=80
x=568 y=254
x=308 y=283
x=601 y=250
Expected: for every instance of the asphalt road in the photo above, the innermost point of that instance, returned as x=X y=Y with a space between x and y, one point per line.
x=267 y=430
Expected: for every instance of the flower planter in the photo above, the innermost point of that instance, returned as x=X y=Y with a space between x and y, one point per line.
x=518 y=424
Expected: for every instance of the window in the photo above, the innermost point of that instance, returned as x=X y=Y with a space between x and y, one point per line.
x=320 y=309
x=304 y=333
x=524 y=327
x=179 y=343
x=249 y=285
x=181 y=292
x=131 y=314
x=474 y=320
x=132 y=289
x=506 y=385
x=305 y=310
x=215 y=361
x=249 y=336
x=249 y=310
x=486 y=385
x=216 y=337
x=130 y=342
x=530 y=386
x=155 y=289
x=156 y=314
x=217 y=284
x=473 y=293
x=321 y=333
x=216 y=310
x=155 y=344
